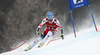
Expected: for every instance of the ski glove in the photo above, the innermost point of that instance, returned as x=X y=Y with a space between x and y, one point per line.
x=62 y=36
x=37 y=31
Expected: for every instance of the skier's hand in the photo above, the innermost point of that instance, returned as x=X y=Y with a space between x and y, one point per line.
x=62 y=36
x=37 y=31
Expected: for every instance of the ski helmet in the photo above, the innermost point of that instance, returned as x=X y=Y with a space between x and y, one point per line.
x=49 y=15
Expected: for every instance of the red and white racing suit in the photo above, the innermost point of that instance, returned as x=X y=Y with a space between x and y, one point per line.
x=50 y=26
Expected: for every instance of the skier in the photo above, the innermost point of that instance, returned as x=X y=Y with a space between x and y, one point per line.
x=51 y=28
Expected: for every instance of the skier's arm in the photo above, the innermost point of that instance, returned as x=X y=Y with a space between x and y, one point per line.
x=40 y=26
x=60 y=26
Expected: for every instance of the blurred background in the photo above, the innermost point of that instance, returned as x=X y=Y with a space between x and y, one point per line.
x=20 y=18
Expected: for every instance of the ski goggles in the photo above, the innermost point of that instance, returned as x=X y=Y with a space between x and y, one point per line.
x=50 y=20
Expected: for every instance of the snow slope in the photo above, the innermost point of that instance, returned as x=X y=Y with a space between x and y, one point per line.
x=87 y=42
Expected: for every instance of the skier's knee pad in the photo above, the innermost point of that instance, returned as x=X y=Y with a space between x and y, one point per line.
x=50 y=33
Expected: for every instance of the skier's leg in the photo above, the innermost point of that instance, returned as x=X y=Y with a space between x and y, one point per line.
x=49 y=34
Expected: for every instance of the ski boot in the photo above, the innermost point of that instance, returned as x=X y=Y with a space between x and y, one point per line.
x=28 y=48
x=40 y=45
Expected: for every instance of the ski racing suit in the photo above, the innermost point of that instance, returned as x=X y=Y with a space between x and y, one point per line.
x=51 y=29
